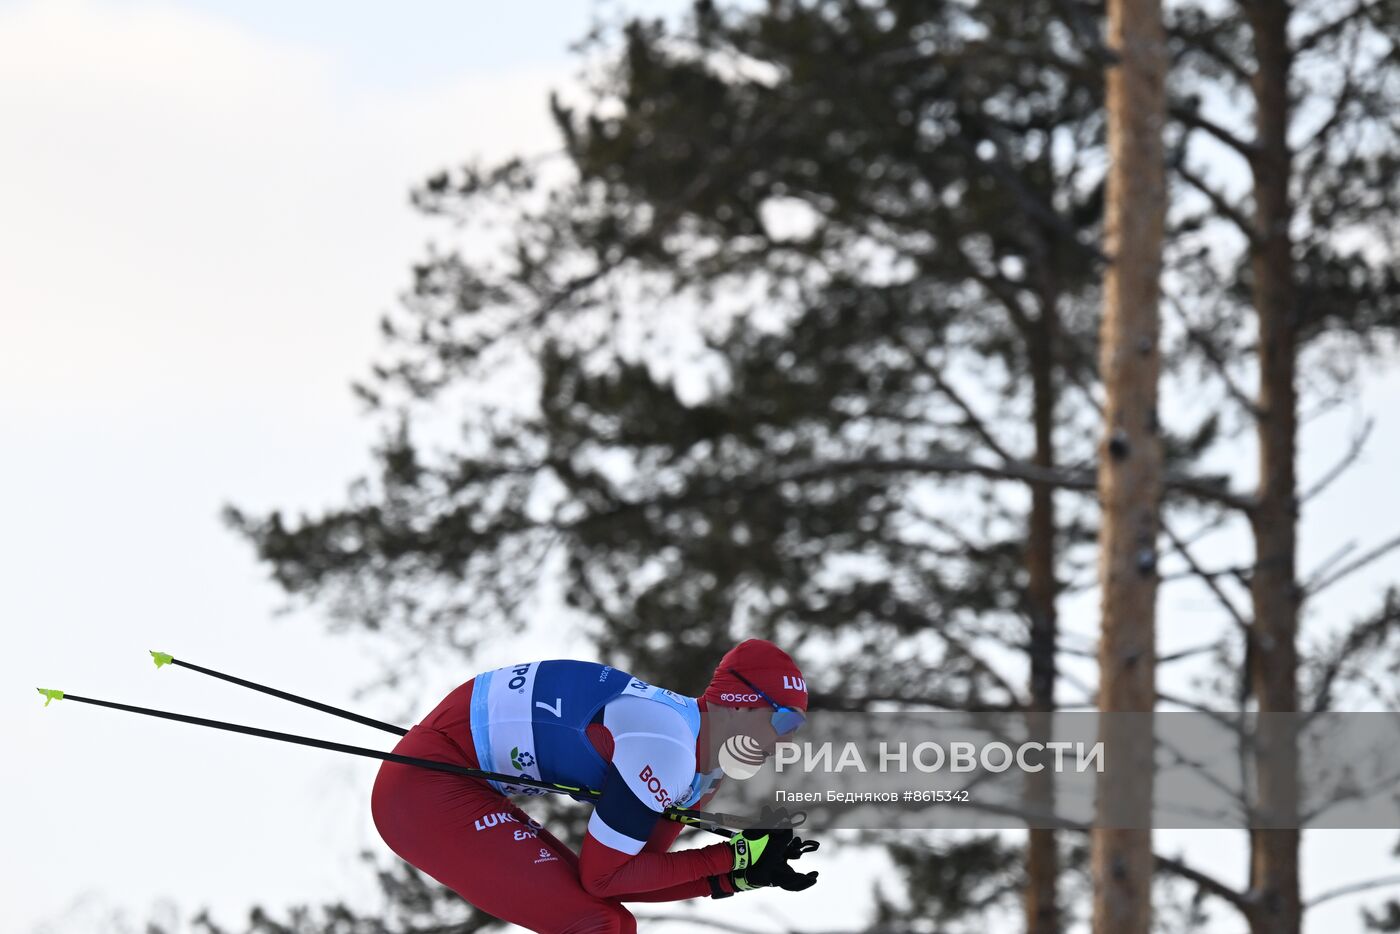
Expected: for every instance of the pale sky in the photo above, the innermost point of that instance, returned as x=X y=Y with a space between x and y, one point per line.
x=203 y=212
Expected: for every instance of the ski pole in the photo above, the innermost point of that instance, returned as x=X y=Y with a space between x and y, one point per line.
x=704 y=820
x=164 y=658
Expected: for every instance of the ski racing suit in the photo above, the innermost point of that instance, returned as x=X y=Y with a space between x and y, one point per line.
x=570 y=722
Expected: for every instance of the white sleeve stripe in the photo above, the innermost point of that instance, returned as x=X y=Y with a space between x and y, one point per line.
x=611 y=838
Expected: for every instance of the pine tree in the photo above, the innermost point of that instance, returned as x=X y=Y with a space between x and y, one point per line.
x=1130 y=462
x=1297 y=95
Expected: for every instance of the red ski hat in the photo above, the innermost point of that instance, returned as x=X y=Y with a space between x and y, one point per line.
x=770 y=669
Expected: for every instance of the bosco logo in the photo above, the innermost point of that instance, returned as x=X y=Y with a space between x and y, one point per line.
x=654 y=786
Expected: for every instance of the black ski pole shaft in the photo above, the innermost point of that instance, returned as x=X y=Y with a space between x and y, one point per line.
x=163 y=658
x=704 y=820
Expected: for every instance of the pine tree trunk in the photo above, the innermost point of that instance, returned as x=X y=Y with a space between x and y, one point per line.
x=1130 y=462
x=1273 y=669
x=1042 y=858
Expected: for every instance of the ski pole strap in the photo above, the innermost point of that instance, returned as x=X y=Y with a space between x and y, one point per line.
x=163 y=658
x=704 y=820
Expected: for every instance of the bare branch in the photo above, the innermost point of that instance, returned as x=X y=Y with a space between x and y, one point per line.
x=1236 y=571
x=971 y=418
x=1220 y=718
x=1184 y=550
x=1222 y=369
x=1077 y=380
x=1358 y=442
x=1351 y=889
x=1204 y=42
x=1207 y=528
x=1206 y=775
x=1327 y=564
x=1087 y=30
x=1356 y=640
x=1031 y=203
x=981 y=664
x=1187 y=653
x=996 y=286
x=1317 y=142
x=1347 y=570
x=1075 y=681
x=1219 y=202
x=974 y=421
x=1309 y=41
x=1193 y=119
x=1205 y=882
x=1384 y=785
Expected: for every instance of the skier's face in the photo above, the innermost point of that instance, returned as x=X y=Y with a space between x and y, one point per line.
x=753 y=723
x=768 y=738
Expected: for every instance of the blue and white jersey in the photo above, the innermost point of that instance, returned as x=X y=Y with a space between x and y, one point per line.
x=532 y=719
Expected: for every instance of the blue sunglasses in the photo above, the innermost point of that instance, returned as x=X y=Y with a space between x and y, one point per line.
x=785 y=719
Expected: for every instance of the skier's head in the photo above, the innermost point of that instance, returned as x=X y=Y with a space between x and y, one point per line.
x=757 y=675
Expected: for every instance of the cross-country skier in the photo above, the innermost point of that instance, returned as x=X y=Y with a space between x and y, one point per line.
x=587 y=725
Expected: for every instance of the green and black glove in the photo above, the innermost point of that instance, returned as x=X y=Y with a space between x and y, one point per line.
x=790 y=879
x=761 y=856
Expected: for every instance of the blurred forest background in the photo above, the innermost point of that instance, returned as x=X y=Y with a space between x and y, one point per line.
x=797 y=336
x=808 y=310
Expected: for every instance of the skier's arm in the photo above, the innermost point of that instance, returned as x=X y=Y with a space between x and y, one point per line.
x=664 y=834
x=700 y=888
x=751 y=859
x=653 y=877
x=612 y=863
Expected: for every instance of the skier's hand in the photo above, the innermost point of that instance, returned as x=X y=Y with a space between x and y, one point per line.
x=759 y=855
x=768 y=853
x=791 y=880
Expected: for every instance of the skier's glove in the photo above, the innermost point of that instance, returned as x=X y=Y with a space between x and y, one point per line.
x=761 y=856
x=791 y=880
x=758 y=857
x=780 y=819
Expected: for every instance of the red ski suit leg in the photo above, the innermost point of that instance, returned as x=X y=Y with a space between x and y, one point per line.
x=477 y=843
